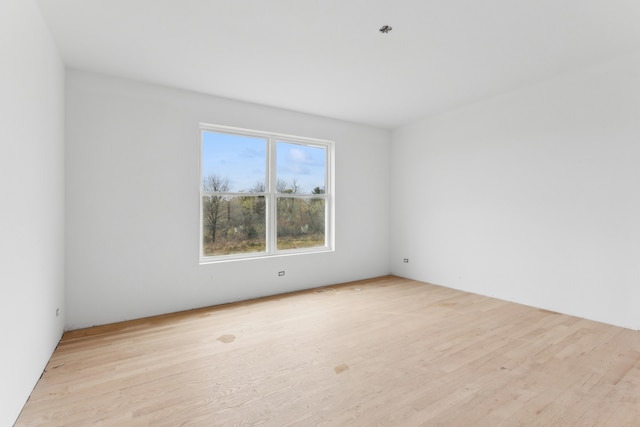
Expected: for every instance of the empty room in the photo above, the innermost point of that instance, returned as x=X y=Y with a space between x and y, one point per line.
x=339 y=213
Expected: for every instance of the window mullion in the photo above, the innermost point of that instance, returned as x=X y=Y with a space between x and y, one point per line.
x=272 y=221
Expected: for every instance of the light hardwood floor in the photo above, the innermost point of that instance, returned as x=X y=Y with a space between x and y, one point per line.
x=388 y=352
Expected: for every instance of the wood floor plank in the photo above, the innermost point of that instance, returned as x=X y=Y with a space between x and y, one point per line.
x=385 y=352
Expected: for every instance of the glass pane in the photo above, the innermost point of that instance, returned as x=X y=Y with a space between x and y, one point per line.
x=233 y=225
x=300 y=169
x=233 y=163
x=300 y=223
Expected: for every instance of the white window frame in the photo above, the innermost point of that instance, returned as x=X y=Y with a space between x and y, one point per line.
x=271 y=194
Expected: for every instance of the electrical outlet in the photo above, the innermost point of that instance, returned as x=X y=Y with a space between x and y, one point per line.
x=406 y=260
x=281 y=273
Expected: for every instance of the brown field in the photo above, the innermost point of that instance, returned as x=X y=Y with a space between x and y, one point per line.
x=227 y=247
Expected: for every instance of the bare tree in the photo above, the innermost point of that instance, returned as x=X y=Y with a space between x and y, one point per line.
x=258 y=202
x=258 y=187
x=295 y=187
x=213 y=208
x=281 y=186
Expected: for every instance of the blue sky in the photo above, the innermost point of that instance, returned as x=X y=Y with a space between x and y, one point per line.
x=242 y=159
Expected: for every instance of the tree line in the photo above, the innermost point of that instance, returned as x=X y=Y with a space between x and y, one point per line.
x=237 y=224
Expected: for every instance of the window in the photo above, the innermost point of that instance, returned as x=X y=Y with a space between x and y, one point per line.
x=263 y=194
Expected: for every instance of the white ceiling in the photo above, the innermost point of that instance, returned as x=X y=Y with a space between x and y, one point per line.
x=327 y=57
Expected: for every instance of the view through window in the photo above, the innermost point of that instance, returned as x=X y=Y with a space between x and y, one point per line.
x=262 y=194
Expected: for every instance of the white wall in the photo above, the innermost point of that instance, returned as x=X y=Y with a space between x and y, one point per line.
x=133 y=200
x=32 y=201
x=532 y=196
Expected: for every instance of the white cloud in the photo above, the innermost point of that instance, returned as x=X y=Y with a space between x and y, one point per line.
x=298 y=156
